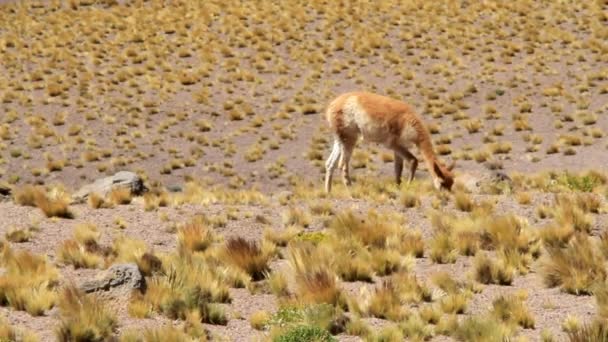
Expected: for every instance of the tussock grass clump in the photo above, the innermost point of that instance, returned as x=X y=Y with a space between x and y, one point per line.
x=72 y=253
x=84 y=250
x=509 y=235
x=28 y=283
x=194 y=235
x=259 y=319
x=511 y=310
x=57 y=206
x=54 y=205
x=386 y=300
x=323 y=317
x=19 y=235
x=160 y=334
x=455 y=300
x=478 y=329
x=463 y=202
x=10 y=333
x=570 y=214
x=247 y=256
x=120 y=196
x=371 y=231
x=281 y=238
x=296 y=217
x=488 y=271
x=360 y=246
x=84 y=317
x=576 y=268
x=27 y=195
x=409 y=199
x=443 y=249
x=96 y=201
x=190 y=285
x=597 y=331
x=315 y=279
x=412 y=243
x=557 y=235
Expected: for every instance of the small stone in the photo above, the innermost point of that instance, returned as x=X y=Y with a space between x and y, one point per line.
x=123 y=275
x=103 y=186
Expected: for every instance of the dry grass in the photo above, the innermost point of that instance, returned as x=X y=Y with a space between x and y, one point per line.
x=511 y=310
x=247 y=256
x=28 y=283
x=194 y=235
x=575 y=268
x=84 y=317
x=120 y=196
x=255 y=76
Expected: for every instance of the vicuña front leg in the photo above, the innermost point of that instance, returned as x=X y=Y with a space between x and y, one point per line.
x=403 y=153
x=398 y=167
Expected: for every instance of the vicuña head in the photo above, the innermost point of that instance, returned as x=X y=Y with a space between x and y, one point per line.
x=383 y=120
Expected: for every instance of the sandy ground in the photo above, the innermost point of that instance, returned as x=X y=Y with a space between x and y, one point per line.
x=146 y=138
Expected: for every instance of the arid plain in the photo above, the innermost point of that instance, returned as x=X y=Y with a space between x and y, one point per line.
x=219 y=107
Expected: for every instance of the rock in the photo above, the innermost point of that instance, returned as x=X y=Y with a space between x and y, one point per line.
x=174 y=188
x=102 y=187
x=123 y=275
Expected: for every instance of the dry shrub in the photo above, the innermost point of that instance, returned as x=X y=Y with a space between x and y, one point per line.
x=247 y=256
x=72 y=253
x=463 y=202
x=120 y=196
x=28 y=282
x=412 y=243
x=387 y=299
x=597 y=331
x=576 y=268
x=84 y=317
x=281 y=238
x=511 y=310
x=195 y=236
x=372 y=231
x=488 y=271
x=98 y=202
x=54 y=205
x=315 y=280
x=27 y=195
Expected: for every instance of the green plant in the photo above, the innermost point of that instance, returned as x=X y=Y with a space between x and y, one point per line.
x=303 y=333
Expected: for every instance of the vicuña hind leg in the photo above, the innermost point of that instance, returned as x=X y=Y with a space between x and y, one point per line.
x=331 y=163
x=346 y=153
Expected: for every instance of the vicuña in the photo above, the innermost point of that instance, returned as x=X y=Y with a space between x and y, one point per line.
x=386 y=121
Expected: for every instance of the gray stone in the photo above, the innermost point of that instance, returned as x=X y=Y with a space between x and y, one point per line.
x=175 y=188
x=102 y=187
x=118 y=275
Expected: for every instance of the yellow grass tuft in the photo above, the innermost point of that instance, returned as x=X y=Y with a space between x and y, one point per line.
x=247 y=256
x=194 y=236
x=28 y=283
x=84 y=317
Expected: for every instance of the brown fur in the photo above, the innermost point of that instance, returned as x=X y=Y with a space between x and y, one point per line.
x=384 y=120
